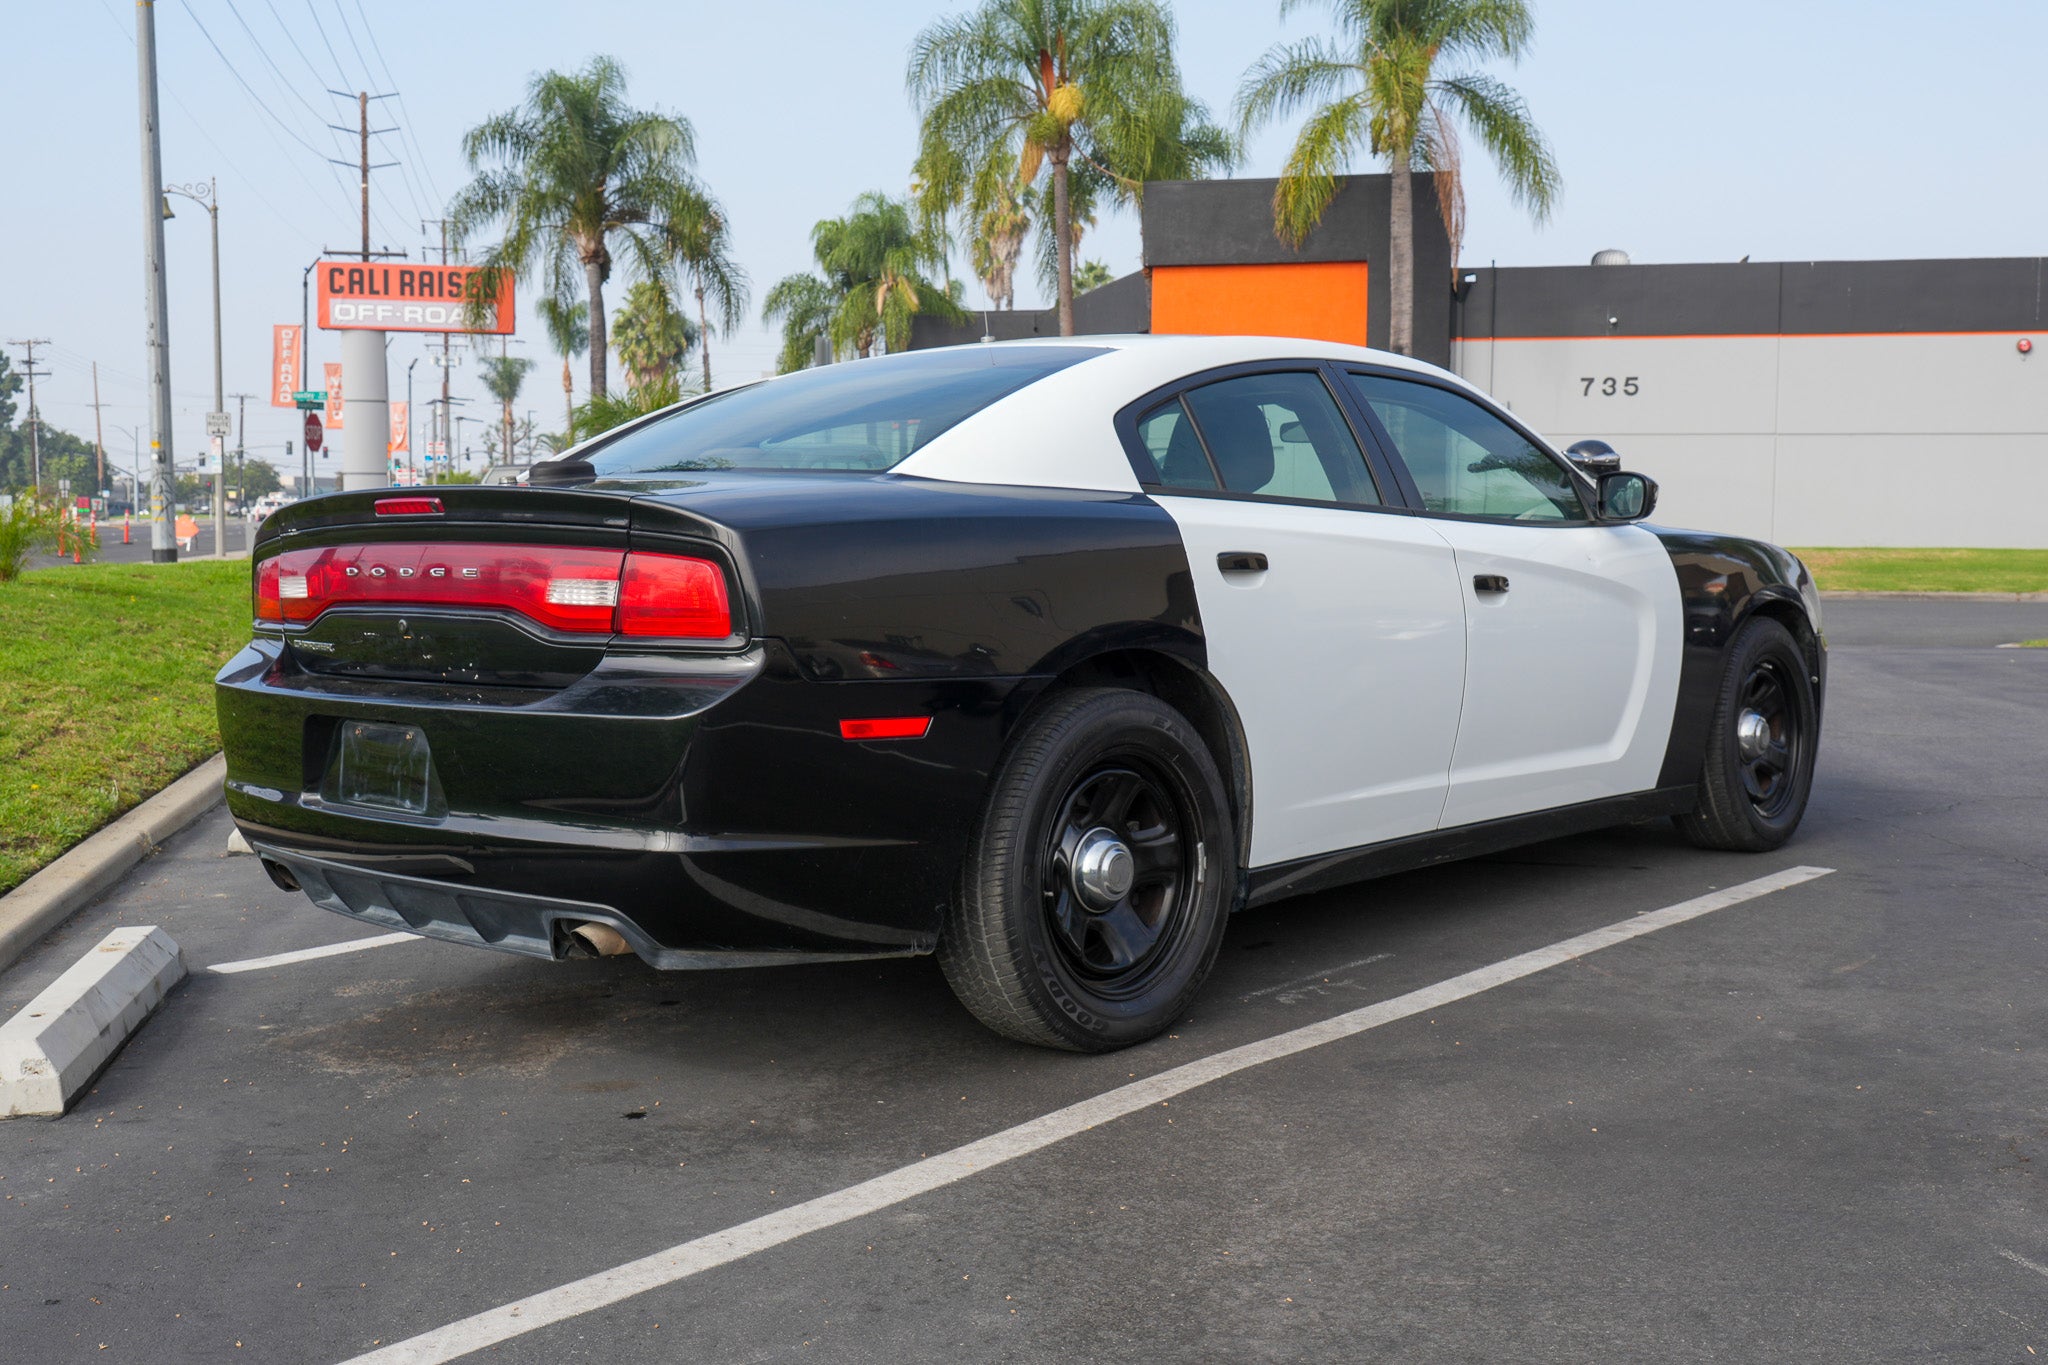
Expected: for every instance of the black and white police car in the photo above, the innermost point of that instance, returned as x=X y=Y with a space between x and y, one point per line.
x=1042 y=656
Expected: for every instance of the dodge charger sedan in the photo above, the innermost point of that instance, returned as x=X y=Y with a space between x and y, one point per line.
x=1042 y=657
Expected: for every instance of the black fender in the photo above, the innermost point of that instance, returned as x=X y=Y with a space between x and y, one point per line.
x=1724 y=581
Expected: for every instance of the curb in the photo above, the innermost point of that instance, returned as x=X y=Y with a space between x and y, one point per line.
x=45 y=900
x=59 y=1041
x=1843 y=596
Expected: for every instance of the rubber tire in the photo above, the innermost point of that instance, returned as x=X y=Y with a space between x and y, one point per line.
x=1725 y=818
x=994 y=947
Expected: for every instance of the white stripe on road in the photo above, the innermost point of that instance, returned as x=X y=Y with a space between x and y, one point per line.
x=354 y=945
x=772 y=1230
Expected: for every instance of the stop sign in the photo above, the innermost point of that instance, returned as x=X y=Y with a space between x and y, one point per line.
x=312 y=431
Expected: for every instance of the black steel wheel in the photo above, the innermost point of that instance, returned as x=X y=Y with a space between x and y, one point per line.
x=1762 y=739
x=1099 y=879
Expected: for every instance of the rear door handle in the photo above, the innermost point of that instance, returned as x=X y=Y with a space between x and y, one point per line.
x=1241 y=561
x=1489 y=582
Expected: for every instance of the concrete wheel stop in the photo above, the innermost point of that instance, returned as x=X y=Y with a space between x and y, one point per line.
x=59 y=1041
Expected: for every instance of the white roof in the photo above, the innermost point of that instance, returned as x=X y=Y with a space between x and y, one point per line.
x=1059 y=432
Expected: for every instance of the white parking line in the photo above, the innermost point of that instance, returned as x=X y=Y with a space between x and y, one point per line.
x=828 y=1210
x=354 y=945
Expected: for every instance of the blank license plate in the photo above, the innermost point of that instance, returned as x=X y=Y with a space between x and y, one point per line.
x=385 y=766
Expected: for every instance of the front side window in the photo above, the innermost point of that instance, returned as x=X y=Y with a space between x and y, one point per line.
x=1280 y=435
x=861 y=415
x=1465 y=460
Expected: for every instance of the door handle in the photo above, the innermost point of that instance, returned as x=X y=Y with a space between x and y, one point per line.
x=1489 y=582
x=1241 y=561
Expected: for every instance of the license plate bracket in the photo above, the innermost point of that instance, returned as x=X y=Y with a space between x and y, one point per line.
x=384 y=767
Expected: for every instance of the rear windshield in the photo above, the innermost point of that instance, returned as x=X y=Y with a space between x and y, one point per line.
x=861 y=415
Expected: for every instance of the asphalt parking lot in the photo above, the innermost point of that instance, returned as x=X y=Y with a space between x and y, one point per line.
x=1808 y=1126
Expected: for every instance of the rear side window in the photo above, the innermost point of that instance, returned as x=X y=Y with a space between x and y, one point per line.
x=1168 y=436
x=1465 y=460
x=1278 y=435
x=862 y=415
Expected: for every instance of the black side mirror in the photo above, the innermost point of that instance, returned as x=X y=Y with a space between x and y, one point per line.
x=1594 y=456
x=1627 y=497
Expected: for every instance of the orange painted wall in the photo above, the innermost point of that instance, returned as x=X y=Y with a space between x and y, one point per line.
x=1320 y=299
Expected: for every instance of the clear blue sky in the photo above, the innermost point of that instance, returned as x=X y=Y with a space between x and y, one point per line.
x=1779 y=129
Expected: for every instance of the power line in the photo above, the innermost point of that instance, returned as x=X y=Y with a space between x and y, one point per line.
x=404 y=171
x=259 y=102
x=254 y=187
x=277 y=71
x=342 y=70
x=405 y=114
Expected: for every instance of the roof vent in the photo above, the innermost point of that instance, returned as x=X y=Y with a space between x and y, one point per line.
x=1611 y=256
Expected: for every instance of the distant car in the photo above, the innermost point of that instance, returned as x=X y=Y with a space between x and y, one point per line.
x=1042 y=656
x=505 y=473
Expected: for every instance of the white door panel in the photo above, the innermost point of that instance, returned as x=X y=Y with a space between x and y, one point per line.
x=1571 y=676
x=1345 y=659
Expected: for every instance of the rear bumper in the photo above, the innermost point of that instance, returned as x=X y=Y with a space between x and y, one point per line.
x=706 y=807
x=509 y=921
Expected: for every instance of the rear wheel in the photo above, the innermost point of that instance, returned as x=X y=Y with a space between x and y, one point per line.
x=1098 y=880
x=1761 y=742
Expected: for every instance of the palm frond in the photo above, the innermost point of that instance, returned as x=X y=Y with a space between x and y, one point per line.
x=1500 y=118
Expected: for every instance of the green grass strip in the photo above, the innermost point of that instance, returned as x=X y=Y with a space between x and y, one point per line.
x=1848 y=570
x=106 y=693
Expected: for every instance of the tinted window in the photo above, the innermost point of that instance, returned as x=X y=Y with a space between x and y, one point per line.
x=1466 y=460
x=1177 y=455
x=860 y=415
x=1281 y=435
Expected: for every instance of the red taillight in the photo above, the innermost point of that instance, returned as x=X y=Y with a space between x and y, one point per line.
x=267 y=605
x=593 y=592
x=674 y=597
x=409 y=507
x=886 y=727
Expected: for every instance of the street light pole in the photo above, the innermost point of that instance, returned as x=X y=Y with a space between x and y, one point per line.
x=163 y=544
x=207 y=196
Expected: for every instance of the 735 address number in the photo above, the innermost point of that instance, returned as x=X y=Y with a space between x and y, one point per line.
x=1609 y=386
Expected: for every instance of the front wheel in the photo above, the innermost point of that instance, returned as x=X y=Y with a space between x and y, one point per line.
x=1761 y=741
x=1098 y=880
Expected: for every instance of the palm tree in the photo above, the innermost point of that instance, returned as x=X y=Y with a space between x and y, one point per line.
x=1380 y=89
x=1034 y=84
x=803 y=305
x=997 y=238
x=653 y=337
x=873 y=261
x=1091 y=275
x=576 y=175
x=503 y=376
x=703 y=248
x=601 y=413
x=568 y=325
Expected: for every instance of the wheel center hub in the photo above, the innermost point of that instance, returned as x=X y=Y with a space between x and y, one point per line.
x=1752 y=735
x=1103 y=870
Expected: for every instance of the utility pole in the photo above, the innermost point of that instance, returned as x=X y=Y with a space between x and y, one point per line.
x=35 y=420
x=99 y=440
x=163 y=545
x=447 y=448
x=242 y=450
x=364 y=131
x=366 y=460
